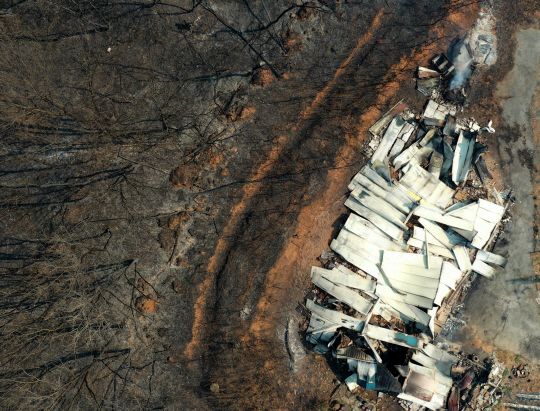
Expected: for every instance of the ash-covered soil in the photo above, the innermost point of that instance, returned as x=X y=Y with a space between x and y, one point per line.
x=169 y=172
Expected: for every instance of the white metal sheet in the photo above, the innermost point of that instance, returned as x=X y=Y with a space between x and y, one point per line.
x=435 y=249
x=494 y=208
x=397 y=147
x=349 y=280
x=439 y=354
x=431 y=373
x=376 y=178
x=356 y=226
x=363 y=221
x=342 y=293
x=488 y=257
x=405 y=156
x=433 y=272
x=462 y=258
x=467 y=212
x=445 y=198
x=457 y=206
x=388 y=140
x=445 y=238
x=419 y=233
x=382 y=223
x=336 y=317
x=443 y=219
x=355 y=259
x=379 y=206
x=396 y=202
x=392 y=337
x=414 y=289
x=483 y=227
x=482 y=268
x=360 y=246
x=384 y=290
x=442 y=292
x=381 y=308
x=410 y=278
x=409 y=311
x=428 y=362
x=450 y=275
x=469 y=235
x=395 y=257
x=471 y=140
x=460 y=154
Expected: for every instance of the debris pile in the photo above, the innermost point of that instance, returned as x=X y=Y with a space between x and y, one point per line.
x=405 y=254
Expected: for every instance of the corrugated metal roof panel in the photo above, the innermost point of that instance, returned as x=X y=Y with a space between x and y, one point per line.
x=445 y=238
x=426 y=361
x=388 y=140
x=484 y=227
x=379 y=206
x=469 y=235
x=393 y=337
x=462 y=258
x=381 y=308
x=349 y=280
x=365 y=370
x=396 y=275
x=405 y=157
x=355 y=225
x=360 y=245
x=384 y=290
x=457 y=206
x=385 y=381
x=376 y=128
x=488 y=257
x=340 y=319
x=414 y=289
x=467 y=212
x=377 y=179
x=420 y=386
x=482 y=268
x=444 y=219
x=494 y=208
x=320 y=330
x=431 y=373
x=439 y=354
x=383 y=193
x=420 y=234
x=355 y=259
x=397 y=147
x=471 y=139
x=450 y=275
x=435 y=249
x=382 y=223
x=442 y=292
x=460 y=154
x=409 y=311
x=342 y=293
x=354 y=353
x=395 y=257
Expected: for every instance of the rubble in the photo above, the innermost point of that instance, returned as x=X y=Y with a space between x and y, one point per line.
x=409 y=248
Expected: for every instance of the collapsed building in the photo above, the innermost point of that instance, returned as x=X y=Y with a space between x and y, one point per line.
x=407 y=249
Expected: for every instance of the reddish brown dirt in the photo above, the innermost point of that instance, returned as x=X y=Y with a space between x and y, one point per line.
x=262 y=77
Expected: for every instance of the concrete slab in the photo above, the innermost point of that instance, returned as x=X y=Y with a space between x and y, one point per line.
x=503 y=312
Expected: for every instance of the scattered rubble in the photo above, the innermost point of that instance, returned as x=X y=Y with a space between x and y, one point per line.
x=419 y=229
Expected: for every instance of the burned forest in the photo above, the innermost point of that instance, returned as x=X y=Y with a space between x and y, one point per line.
x=170 y=172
